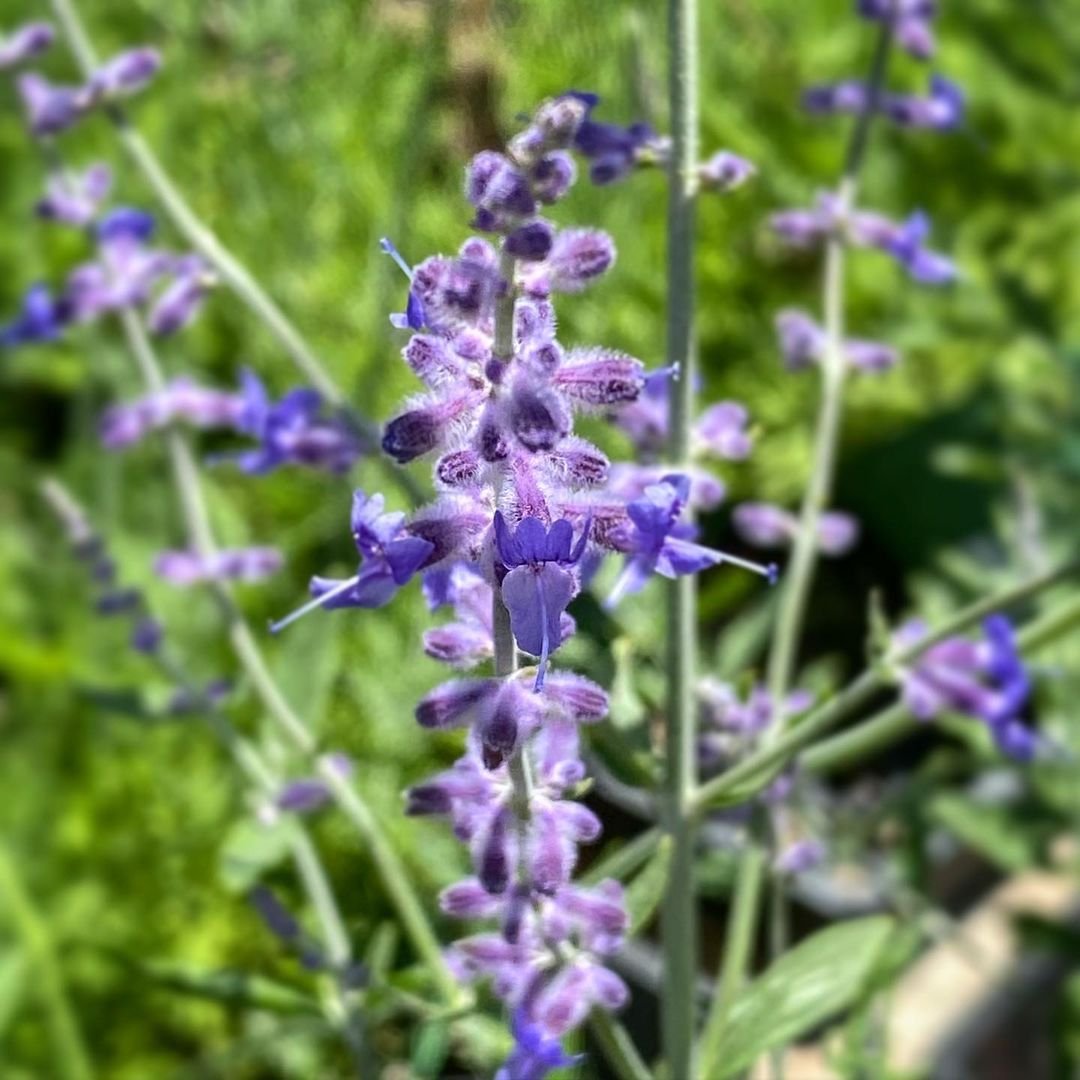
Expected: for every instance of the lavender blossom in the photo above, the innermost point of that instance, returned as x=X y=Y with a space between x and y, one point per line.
x=725 y=172
x=612 y=151
x=25 y=43
x=389 y=558
x=985 y=679
x=182 y=400
x=123 y=75
x=50 y=109
x=941 y=110
x=75 y=200
x=534 y=1054
x=292 y=431
x=183 y=568
x=655 y=542
x=768 y=526
x=540 y=582
x=43 y=318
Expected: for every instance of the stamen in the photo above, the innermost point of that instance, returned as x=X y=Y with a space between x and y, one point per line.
x=311 y=605
x=770 y=571
x=389 y=249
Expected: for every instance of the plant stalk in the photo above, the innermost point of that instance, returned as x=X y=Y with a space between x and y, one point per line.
x=679 y=927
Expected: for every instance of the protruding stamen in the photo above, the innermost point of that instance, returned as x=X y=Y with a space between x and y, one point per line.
x=770 y=571
x=389 y=249
x=311 y=605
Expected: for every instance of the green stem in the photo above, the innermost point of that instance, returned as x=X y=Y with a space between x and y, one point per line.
x=679 y=928
x=72 y=1062
x=799 y=576
x=779 y=940
x=246 y=648
x=738 y=954
x=619 y=1049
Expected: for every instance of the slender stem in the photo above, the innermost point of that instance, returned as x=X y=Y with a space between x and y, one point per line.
x=679 y=913
x=72 y=1062
x=738 y=954
x=872 y=681
x=799 y=577
x=619 y=1049
x=392 y=871
x=779 y=940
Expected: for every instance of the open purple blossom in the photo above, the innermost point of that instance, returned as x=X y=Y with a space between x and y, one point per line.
x=75 y=200
x=42 y=318
x=731 y=725
x=50 y=108
x=539 y=583
x=390 y=555
x=535 y=1054
x=25 y=43
x=941 y=110
x=655 y=542
x=612 y=150
x=986 y=679
x=295 y=430
x=184 y=568
x=912 y=22
x=908 y=247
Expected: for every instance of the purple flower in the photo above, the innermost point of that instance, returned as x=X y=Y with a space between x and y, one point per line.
x=655 y=542
x=181 y=300
x=123 y=75
x=75 y=200
x=725 y=172
x=799 y=856
x=802 y=340
x=184 y=568
x=50 y=109
x=291 y=431
x=906 y=243
x=182 y=400
x=25 y=43
x=612 y=150
x=389 y=557
x=911 y=20
x=941 y=110
x=768 y=526
x=841 y=98
x=534 y=1054
x=42 y=318
x=721 y=430
x=311 y=793
x=986 y=679
x=540 y=582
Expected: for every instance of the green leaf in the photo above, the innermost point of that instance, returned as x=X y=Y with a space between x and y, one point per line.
x=644 y=893
x=249 y=850
x=431 y=1046
x=14 y=967
x=992 y=831
x=820 y=977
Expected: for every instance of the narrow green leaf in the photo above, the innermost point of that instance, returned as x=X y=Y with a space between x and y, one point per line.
x=644 y=893
x=228 y=987
x=820 y=977
x=14 y=969
x=992 y=831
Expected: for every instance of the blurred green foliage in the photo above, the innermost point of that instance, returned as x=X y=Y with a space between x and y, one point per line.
x=303 y=131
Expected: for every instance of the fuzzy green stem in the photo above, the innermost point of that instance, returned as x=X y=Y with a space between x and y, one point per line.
x=679 y=928
x=391 y=870
x=72 y=1062
x=738 y=954
x=619 y=1049
x=799 y=576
